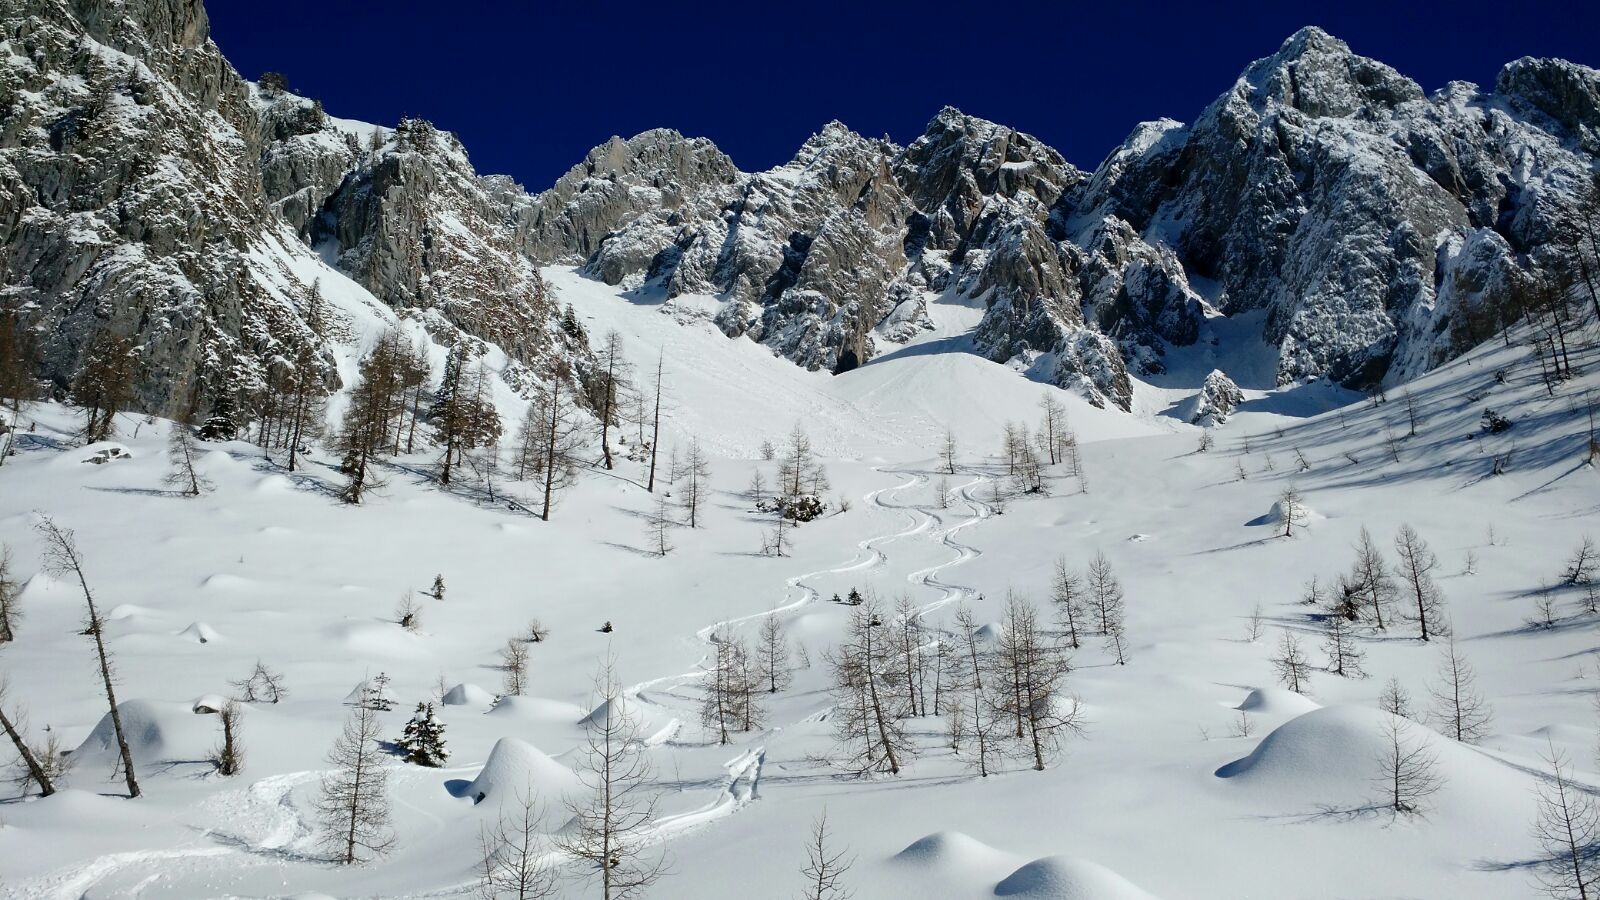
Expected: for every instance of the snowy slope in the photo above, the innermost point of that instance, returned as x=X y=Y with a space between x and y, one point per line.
x=1157 y=800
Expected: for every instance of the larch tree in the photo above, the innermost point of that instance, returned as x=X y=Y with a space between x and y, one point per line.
x=611 y=822
x=1291 y=664
x=696 y=482
x=228 y=756
x=1066 y=591
x=609 y=385
x=947 y=452
x=1462 y=712
x=182 y=471
x=721 y=710
x=63 y=558
x=104 y=386
x=511 y=859
x=1425 y=601
x=1368 y=585
x=1292 y=509
x=550 y=441
x=868 y=723
x=1582 y=564
x=772 y=653
x=1344 y=654
x=655 y=421
x=1053 y=428
x=1396 y=700
x=825 y=866
x=353 y=803
x=306 y=407
x=967 y=679
x=34 y=770
x=1568 y=829
x=10 y=598
x=1031 y=672
x=514 y=667
x=658 y=526
x=1105 y=592
x=1408 y=769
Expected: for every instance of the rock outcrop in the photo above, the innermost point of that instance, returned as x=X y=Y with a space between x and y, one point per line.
x=147 y=190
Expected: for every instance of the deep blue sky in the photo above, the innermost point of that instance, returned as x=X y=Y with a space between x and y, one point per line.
x=531 y=86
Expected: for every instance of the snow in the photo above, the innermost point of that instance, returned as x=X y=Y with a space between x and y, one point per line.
x=1158 y=799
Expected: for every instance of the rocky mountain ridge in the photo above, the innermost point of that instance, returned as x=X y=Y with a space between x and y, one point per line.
x=151 y=191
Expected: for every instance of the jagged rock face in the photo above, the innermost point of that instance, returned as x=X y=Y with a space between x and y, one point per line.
x=127 y=163
x=147 y=190
x=1325 y=188
x=419 y=228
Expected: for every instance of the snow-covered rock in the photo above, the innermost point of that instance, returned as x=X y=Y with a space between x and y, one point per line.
x=1214 y=403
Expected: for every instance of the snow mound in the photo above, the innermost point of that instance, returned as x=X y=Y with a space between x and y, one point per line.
x=157 y=733
x=536 y=708
x=1279 y=512
x=1065 y=878
x=378 y=639
x=467 y=695
x=1277 y=702
x=514 y=768
x=1333 y=757
x=952 y=852
x=130 y=611
x=274 y=484
x=200 y=633
x=223 y=581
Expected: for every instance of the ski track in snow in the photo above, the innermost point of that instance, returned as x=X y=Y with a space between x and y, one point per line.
x=742 y=785
x=266 y=807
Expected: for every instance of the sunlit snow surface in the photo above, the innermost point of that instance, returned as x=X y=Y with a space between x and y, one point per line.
x=1159 y=799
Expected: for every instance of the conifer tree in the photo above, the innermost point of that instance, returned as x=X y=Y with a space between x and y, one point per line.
x=1294 y=670
x=34 y=771
x=868 y=723
x=422 y=742
x=1030 y=674
x=512 y=858
x=1409 y=769
x=825 y=866
x=18 y=357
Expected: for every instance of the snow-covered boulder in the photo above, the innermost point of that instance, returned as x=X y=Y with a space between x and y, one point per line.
x=516 y=768
x=467 y=695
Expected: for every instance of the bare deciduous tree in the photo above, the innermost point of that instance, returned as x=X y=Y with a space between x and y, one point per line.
x=825 y=866
x=1460 y=710
x=10 y=598
x=947 y=452
x=1568 y=828
x=658 y=526
x=228 y=757
x=1409 y=772
x=1029 y=676
x=772 y=653
x=1066 y=591
x=1369 y=586
x=514 y=666
x=1395 y=699
x=868 y=716
x=1415 y=570
x=182 y=473
x=1344 y=655
x=62 y=557
x=1292 y=507
x=696 y=481
x=511 y=860
x=33 y=770
x=1581 y=566
x=1294 y=670
x=610 y=825
x=353 y=804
